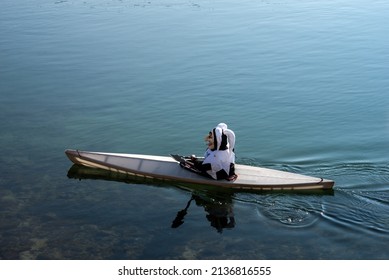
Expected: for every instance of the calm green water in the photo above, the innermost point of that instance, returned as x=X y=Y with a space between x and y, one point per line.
x=304 y=85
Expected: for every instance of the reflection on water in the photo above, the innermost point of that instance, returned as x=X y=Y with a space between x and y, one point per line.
x=338 y=220
x=218 y=204
x=219 y=211
x=104 y=220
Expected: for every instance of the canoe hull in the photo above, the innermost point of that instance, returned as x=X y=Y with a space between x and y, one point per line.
x=166 y=168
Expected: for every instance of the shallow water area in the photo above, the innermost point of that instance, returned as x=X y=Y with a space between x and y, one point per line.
x=303 y=85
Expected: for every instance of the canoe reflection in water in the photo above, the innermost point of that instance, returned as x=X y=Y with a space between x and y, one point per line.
x=218 y=206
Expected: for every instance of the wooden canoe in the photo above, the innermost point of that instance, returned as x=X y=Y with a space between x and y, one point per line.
x=167 y=169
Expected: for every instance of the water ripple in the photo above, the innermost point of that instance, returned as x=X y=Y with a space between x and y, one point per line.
x=373 y=176
x=365 y=211
x=360 y=202
x=297 y=211
x=361 y=175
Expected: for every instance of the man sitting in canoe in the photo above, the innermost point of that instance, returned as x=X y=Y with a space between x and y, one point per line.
x=219 y=158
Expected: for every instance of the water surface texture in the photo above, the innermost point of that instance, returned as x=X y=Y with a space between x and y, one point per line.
x=304 y=85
